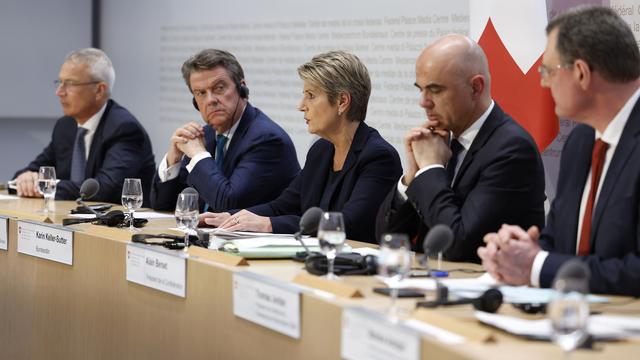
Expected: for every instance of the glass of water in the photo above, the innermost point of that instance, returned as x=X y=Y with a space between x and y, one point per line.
x=47 y=185
x=569 y=315
x=187 y=214
x=331 y=236
x=132 y=198
x=394 y=263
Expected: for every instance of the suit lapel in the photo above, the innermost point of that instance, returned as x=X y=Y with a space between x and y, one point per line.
x=495 y=118
x=97 y=141
x=359 y=140
x=624 y=150
x=247 y=118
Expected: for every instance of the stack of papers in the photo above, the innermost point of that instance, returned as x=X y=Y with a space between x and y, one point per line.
x=602 y=327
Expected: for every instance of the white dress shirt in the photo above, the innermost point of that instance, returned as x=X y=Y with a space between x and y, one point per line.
x=91 y=125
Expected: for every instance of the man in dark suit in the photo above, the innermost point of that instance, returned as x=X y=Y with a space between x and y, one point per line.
x=592 y=65
x=240 y=158
x=97 y=138
x=470 y=166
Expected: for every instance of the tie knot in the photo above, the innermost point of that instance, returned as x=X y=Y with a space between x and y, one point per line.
x=221 y=139
x=82 y=131
x=600 y=147
x=456 y=147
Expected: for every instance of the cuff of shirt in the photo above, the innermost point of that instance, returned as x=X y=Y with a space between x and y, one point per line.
x=196 y=159
x=536 y=267
x=166 y=173
x=402 y=189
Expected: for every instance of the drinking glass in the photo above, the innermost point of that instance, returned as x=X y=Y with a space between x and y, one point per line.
x=394 y=263
x=187 y=214
x=569 y=315
x=132 y=198
x=331 y=236
x=47 y=185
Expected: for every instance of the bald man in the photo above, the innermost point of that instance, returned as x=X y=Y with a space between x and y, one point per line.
x=470 y=165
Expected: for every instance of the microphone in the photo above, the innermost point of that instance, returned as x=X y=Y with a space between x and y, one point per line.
x=88 y=189
x=112 y=218
x=308 y=226
x=437 y=240
x=573 y=275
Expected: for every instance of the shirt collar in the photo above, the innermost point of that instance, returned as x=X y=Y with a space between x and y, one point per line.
x=613 y=132
x=466 y=138
x=92 y=124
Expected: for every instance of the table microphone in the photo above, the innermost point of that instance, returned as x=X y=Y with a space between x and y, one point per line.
x=308 y=226
x=437 y=240
x=88 y=189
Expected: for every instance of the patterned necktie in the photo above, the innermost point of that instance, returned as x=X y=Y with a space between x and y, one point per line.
x=456 y=147
x=597 y=162
x=221 y=141
x=79 y=159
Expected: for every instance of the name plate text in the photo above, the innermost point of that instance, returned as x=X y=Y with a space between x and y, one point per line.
x=158 y=269
x=45 y=241
x=267 y=302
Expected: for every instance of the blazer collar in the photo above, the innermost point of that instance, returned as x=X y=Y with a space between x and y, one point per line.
x=494 y=120
x=626 y=147
x=97 y=138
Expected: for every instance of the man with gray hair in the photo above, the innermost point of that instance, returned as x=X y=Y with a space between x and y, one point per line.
x=97 y=138
x=592 y=66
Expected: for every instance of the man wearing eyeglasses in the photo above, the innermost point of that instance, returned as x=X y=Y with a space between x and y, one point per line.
x=97 y=138
x=239 y=158
x=592 y=66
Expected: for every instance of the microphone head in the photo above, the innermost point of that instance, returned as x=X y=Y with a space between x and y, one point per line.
x=189 y=190
x=573 y=275
x=438 y=239
x=309 y=220
x=89 y=188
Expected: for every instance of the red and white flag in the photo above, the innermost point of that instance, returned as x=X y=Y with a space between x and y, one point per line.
x=512 y=34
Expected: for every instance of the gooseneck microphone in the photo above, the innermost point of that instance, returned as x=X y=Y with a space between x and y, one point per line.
x=438 y=239
x=308 y=225
x=88 y=189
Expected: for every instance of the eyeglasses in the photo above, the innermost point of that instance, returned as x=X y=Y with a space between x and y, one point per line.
x=72 y=83
x=546 y=71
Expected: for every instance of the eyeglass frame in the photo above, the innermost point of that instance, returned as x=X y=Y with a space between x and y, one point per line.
x=72 y=83
x=546 y=71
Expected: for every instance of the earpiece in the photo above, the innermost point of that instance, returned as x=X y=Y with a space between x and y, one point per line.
x=195 y=103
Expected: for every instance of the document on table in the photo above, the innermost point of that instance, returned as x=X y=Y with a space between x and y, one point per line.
x=137 y=215
x=473 y=287
x=602 y=327
x=8 y=197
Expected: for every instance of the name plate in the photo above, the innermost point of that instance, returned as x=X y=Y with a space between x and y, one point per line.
x=158 y=269
x=370 y=335
x=4 y=233
x=267 y=302
x=49 y=242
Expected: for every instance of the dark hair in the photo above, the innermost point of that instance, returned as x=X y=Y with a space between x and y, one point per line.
x=208 y=59
x=601 y=38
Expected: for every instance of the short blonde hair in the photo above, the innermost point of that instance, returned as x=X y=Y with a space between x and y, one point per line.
x=336 y=72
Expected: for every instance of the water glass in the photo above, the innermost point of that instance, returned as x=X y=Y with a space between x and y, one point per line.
x=187 y=214
x=331 y=236
x=132 y=198
x=47 y=185
x=569 y=315
x=394 y=263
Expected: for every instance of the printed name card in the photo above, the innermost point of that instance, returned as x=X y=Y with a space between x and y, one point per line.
x=159 y=269
x=370 y=335
x=49 y=242
x=267 y=302
x=4 y=233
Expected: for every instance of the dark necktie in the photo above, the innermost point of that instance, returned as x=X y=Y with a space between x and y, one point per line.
x=597 y=162
x=79 y=159
x=221 y=141
x=456 y=147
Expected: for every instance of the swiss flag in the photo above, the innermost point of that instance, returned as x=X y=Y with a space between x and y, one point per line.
x=512 y=34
